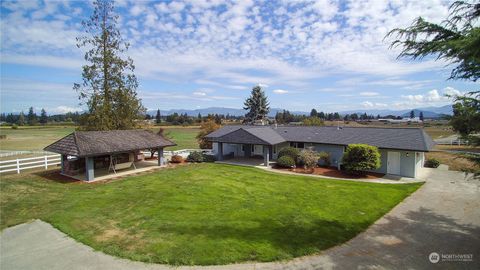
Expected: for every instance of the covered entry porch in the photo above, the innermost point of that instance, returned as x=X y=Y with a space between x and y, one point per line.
x=244 y=154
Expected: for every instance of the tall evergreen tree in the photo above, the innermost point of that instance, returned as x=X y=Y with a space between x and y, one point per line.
x=21 y=119
x=313 y=113
x=421 y=116
x=158 y=117
x=31 y=117
x=256 y=105
x=412 y=114
x=109 y=84
x=43 y=117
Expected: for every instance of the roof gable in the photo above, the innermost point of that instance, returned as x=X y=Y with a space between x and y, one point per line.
x=414 y=139
x=89 y=143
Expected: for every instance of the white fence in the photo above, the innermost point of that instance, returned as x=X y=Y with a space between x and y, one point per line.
x=9 y=153
x=20 y=164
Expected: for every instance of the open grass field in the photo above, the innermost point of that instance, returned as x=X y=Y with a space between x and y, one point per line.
x=37 y=137
x=202 y=213
x=454 y=161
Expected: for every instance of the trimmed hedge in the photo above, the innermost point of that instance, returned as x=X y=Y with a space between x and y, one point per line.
x=289 y=151
x=359 y=158
x=176 y=159
x=209 y=158
x=285 y=162
x=432 y=163
x=195 y=157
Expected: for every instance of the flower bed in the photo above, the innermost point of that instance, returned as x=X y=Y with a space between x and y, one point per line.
x=331 y=172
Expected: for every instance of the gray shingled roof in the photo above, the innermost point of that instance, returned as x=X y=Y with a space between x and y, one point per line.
x=390 y=138
x=91 y=143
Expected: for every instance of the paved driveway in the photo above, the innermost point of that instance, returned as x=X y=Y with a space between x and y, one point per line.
x=442 y=217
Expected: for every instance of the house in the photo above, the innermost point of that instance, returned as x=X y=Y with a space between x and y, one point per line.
x=402 y=149
x=84 y=152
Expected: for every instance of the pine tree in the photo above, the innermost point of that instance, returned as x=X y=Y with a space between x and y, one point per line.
x=421 y=116
x=412 y=114
x=21 y=119
x=158 y=117
x=109 y=85
x=313 y=113
x=256 y=105
x=43 y=117
x=31 y=117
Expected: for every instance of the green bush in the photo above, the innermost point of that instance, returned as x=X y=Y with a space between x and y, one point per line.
x=14 y=126
x=324 y=158
x=432 y=163
x=209 y=158
x=308 y=158
x=195 y=157
x=285 y=162
x=359 y=158
x=176 y=159
x=289 y=151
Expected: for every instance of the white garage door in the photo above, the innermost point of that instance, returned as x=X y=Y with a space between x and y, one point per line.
x=393 y=163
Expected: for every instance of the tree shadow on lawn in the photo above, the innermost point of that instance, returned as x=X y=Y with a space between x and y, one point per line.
x=393 y=243
x=406 y=243
x=286 y=238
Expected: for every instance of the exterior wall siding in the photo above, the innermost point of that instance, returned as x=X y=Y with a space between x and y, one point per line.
x=409 y=166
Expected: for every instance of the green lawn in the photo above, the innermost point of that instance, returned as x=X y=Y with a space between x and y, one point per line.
x=37 y=137
x=202 y=214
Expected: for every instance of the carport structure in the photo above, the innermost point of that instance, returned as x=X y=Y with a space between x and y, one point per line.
x=87 y=154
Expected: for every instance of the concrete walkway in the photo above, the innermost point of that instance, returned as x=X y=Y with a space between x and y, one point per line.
x=442 y=217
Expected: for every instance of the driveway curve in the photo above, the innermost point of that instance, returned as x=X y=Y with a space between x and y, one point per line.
x=443 y=216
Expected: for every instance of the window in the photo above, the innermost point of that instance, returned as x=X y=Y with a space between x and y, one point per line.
x=253 y=148
x=243 y=148
x=297 y=144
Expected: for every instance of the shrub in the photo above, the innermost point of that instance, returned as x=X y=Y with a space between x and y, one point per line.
x=195 y=157
x=308 y=158
x=176 y=159
x=209 y=158
x=14 y=126
x=289 y=151
x=359 y=158
x=432 y=163
x=324 y=157
x=285 y=162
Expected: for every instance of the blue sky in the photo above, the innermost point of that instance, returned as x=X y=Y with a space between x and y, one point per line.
x=327 y=55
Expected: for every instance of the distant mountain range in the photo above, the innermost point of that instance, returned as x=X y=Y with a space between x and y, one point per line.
x=428 y=112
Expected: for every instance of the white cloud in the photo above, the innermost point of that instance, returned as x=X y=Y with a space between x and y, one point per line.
x=369 y=94
x=199 y=94
x=63 y=109
x=280 y=91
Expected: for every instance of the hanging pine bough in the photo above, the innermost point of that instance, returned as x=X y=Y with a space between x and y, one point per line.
x=109 y=84
x=456 y=40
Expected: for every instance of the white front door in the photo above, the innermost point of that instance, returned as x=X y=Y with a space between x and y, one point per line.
x=393 y=163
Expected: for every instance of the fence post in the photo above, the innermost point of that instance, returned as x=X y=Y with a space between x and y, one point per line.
x=46 y=162
x=18 y=166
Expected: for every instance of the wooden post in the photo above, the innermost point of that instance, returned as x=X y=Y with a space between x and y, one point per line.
x=46 y=162
x=161 y=159
x=220 y=152
x=89 y=170
x=18 y=166
x=266 y=155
